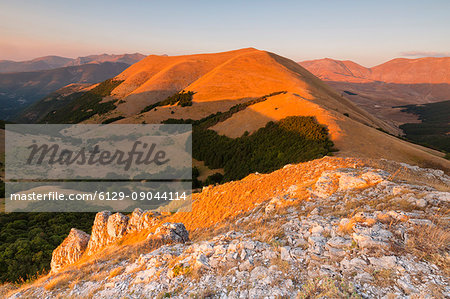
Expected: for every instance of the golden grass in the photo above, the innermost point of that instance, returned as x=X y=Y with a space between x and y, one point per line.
x=326 y=287
x=116 y=271
x=59 y=281
x=384 y=277
x=432 y=243
x=347 y=228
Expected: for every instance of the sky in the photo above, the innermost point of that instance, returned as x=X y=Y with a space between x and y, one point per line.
x=367 y=32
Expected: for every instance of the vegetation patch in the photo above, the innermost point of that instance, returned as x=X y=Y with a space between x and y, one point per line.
x=85 y=106
x=27 y=241
x=326 y=287
x=183 y=99
x=113 y=119
x=294 y=139
x=434 y=129
x=431 y=243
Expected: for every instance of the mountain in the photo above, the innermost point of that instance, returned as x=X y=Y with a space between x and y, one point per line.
x=428 y=70
x=266 y=87
x=52 y=62
x=380 y=89
x=328 y=228
x=124 y=58
x=19 y=90
x=334 y=70
x=37 y=64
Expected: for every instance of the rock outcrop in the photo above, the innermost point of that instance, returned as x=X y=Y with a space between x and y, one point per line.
x=70 y=250
x=109 y=228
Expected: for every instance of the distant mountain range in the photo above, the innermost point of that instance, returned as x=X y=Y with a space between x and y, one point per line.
x=394 y=83
x=21 y=89
x=428 y=70
x=52 y=62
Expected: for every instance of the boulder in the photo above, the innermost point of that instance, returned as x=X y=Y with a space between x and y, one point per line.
x=70 y=250
x=175 y=232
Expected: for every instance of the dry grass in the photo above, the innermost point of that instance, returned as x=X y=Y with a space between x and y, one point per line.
x=347 y=228
x=59 y=281
x=92 y=292
x=431 y=243
x=384 y=277
x=268 y=233
x=326 y=287
x=116 y=271
x=6 y=289
x=282 y=265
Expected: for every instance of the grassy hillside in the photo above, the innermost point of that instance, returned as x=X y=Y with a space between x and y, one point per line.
x=292 y=140
x=39 y=110
x=85 y=106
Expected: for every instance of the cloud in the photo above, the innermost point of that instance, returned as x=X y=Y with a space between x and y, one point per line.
x=425 y=54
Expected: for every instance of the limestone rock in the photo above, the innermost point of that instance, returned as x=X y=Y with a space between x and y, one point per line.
x=117 y=225
x=107 y=228
x=70 y=250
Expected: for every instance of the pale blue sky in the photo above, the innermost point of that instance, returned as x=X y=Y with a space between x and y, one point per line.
x=368 y=32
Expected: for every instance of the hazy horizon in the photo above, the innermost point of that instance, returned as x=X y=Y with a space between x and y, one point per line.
x=367 y=33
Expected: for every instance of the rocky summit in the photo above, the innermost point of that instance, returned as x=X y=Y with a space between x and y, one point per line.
x=334 y=228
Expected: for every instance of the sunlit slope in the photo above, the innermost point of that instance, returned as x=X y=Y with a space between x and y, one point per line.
x=351 y=137
x=225 y=79
x=234 y=75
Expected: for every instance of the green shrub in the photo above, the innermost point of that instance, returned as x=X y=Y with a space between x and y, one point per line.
x=183 y=99
x=113 y=119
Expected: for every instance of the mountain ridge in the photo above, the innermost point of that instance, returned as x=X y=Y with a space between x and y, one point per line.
x=52 y=62
x=18 y=90
x=429 y=70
